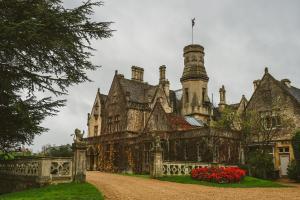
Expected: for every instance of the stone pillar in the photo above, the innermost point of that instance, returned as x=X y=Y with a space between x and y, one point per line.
x=44 y=172
x=156 y=168
x=79 y=161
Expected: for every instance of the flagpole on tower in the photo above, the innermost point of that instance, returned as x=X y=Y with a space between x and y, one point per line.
x=193 y=24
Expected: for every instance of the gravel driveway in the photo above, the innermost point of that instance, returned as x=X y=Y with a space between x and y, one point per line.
x=119 y=187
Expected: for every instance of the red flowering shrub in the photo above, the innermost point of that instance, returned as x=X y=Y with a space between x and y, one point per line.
x=219 y=174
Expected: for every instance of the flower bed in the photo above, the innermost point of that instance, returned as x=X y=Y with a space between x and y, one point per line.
x=219 y=174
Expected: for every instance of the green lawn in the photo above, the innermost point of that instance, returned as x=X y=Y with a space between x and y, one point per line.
x=64 y=191
x=248 y=182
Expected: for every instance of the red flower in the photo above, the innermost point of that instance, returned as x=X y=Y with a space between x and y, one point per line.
x=219 y=174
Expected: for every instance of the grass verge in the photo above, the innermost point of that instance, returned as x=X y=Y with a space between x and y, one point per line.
x=63 y=191
x=248 y=182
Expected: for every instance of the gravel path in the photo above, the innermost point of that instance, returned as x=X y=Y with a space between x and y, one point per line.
x=119 y=187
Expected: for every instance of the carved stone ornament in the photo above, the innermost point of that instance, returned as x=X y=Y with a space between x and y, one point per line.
x=78 y=136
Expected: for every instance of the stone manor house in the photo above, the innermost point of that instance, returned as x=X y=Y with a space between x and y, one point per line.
x=123 y=123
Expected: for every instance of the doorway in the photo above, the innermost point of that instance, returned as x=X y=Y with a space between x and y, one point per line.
x=284 y=162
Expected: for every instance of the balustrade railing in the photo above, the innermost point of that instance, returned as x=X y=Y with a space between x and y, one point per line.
x=181 y=168
x=43 y=168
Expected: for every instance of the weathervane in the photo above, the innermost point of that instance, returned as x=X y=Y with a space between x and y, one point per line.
x=193 y=24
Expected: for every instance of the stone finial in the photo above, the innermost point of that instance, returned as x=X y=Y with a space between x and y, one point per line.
x=98 y=90
x=256 y=83
x=266 y=70
x=222 y=103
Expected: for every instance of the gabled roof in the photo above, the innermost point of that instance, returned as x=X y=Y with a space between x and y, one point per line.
x=291 y=91
x=138 y=91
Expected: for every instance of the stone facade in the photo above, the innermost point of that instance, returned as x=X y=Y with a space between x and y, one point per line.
x=273 y=98
x=123 y=124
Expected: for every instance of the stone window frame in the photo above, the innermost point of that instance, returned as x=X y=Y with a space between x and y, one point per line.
x=109 y=124
x=284 y=150
x=117 y=120
x=271 y=119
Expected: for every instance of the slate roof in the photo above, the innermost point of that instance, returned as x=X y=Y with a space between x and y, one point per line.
x=295 y=92
x=139 y=92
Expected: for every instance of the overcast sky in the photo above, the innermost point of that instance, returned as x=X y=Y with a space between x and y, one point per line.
x=240 y=39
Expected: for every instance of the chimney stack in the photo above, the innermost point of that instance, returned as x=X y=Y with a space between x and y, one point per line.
x=286 y=82
x=256 y=83
x=162 y=73
x=222 y=103
x=137 y=73
x=163 y=81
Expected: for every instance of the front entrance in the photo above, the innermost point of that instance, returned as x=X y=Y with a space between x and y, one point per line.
x=284 y=162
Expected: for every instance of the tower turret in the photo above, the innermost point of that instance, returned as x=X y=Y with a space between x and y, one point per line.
x=195 y=101
x=194 y=63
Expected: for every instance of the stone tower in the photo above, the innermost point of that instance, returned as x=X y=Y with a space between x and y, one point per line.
x=195 y=101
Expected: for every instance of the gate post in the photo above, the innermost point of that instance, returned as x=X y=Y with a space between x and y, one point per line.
x=79 y=157
x=156 y=167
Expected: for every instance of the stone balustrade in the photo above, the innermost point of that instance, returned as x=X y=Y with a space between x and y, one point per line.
x=180 y=168
x=22 y=173
x=183 y=168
